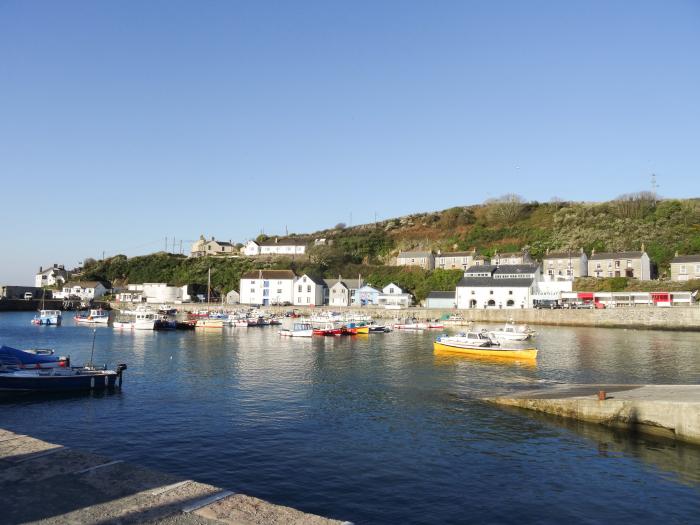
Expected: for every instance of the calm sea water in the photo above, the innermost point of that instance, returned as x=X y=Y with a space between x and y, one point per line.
x=374 y=429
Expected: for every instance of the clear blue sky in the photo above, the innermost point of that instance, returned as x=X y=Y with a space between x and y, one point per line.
x=123 y=122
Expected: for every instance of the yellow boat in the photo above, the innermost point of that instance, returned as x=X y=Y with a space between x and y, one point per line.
x=479 y=344
x=362 y=329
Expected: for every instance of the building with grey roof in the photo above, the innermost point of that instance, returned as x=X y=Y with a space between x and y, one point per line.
x=634 y=264
x=425 y=260
x=685 y=267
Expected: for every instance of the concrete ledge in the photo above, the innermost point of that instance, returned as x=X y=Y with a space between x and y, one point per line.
x=46 y=483
x=671 y=411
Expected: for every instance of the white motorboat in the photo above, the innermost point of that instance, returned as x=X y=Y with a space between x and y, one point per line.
x=512 y=332
x=48 y=318
x=123 y=325
x=95 y=316
x=145 y=321
x=298 y=330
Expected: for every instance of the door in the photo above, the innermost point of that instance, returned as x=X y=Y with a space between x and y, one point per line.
x=266 y=302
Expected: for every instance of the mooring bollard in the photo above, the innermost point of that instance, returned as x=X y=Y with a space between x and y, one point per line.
x=601 y=395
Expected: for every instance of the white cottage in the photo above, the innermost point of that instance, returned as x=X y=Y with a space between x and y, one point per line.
x=267 y=287
x=392 y=295
x=85 y=290
x=506 y=286
x=309 y=291
x=251 y=249
x=56 y=274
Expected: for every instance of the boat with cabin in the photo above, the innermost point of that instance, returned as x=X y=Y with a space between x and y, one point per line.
x=480 y=344
x=512 y=332
x=93 y=317
x=48 y=318
x=60 y=379
x=298 y=330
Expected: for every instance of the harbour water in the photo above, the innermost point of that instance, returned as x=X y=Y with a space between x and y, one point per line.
x=374 y=429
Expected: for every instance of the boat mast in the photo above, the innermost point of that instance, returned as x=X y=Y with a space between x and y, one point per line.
x=209 y=289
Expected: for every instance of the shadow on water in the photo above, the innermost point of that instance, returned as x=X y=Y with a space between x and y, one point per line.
x=681 y=461
x=12 y=398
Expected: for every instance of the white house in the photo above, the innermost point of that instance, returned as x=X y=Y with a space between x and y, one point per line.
x=56 y=274
x=279 y=246
x=505 y=286
x=86 y=290
x=341 y=292
x=266 y=287
x=309 y=291
x=392 y=295
x=251 y=249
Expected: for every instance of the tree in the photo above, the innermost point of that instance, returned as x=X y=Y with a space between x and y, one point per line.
x=340 y=226
x=505 y=209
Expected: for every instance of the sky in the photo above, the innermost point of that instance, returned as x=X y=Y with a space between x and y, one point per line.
x=125 y=122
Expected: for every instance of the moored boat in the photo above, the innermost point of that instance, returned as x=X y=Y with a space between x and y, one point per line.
x=209 y=323
x=94 y=316
x=145 y=321
x=480 y=344
x=31 y=358
x=48 y=318
x=512 y=332
x=298 y=330
x=60 y=379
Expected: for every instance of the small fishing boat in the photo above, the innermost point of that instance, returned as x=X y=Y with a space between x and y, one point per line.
x=48 y=318
x=512 y=332
x=410 y=324
x=298 y=330
x=31 y=358
x=164 y=323
x=330 y=329
x=185 y=325
x=95 y=316
x=480 y=344
x=60 y=379
x=379 y=329
x=355 y=328
x=145 y=321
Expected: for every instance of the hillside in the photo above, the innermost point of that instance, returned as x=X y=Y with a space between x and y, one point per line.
x=505 y=224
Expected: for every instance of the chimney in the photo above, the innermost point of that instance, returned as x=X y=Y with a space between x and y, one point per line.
x=212 y=237
x=592 y=252
x=40 y=269
x=676 y=253
x=643 y=247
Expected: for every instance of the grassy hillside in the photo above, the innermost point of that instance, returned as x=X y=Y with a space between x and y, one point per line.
x=505 y=224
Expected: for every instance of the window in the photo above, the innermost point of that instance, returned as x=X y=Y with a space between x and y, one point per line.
x=629 y=263
x=510 y=292
x=683 y=269
x=597 y=266
x=308 y=288
x=299 y=288
x=279 y=290
x=266 y=284
x=266 y=292
x=510 y=302
x=252 y=290
x=308 y=300
x=490 y=292
x=697 y=268
x=473 y=292
x=617 y=264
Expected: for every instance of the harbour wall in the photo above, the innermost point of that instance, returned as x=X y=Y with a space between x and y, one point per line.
x=650 y=317
x=29 y=305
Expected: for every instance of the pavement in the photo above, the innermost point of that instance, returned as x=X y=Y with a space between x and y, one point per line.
x=47 y=483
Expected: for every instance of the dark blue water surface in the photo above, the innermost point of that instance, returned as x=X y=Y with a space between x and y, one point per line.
x=374 y=429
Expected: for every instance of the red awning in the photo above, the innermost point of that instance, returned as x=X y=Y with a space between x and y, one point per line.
x=585 y=295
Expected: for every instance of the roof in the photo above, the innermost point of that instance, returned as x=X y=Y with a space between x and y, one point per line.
x=351 y=284
x=456 y=254
x=686 y=258
x=414 y=254
x=615 y=255
x=503 y=269
x=441 y=295
x=85 y=284
x=488 y=282
x=269 y=274
x=281 y=242
x=316 y=280
x=563 y=255
x=221 y=243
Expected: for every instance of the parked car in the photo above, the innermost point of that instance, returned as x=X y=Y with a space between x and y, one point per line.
x=549 y=304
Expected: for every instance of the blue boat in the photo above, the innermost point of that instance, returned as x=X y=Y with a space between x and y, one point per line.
x=31 y=358
x=60 y=379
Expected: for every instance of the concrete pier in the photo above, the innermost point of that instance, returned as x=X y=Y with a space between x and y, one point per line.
x=671 y=411
x=47 y=483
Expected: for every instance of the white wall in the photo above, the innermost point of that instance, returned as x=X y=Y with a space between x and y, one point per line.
x=278 y=291
x=520 y=296
x=162 y=293
x=307 y=292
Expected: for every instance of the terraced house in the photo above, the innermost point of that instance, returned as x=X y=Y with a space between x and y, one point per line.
x=620 y=264
x=458 y=260
x=685 y=267
x=425 y=260
x=565 y=265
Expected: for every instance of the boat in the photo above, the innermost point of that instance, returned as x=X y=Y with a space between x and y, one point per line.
x=298 y=330
x=209 y=323
x=60 y=379
x=410 y=324
x=145 y=321
x=48 y=318
x=512 y=332
x=163 y=323
x=355 y=328
x=480 y=344
x=123 y=325
x=185 y=325
x=379 y=329
x=167 y=310
x=330 y=329
x=31 y=358
x=95 y=316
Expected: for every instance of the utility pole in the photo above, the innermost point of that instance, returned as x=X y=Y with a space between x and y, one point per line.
x=654 y=186
x=166 y=244
x=180 y=246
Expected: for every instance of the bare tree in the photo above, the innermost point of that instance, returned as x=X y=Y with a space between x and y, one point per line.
x=506 y=208
x=634 y=205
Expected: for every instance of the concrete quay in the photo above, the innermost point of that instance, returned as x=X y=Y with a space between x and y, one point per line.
x=50 y=484
x=670 y=411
